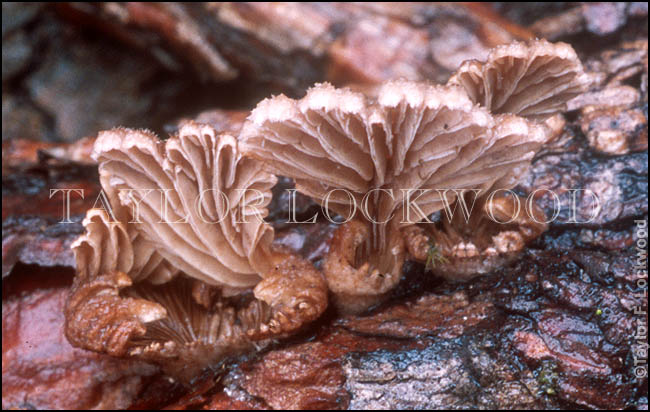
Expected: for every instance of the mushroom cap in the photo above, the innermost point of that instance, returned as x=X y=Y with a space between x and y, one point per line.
x=111 y=246
x=413 y=136
x=534 y=80
x=193 y=197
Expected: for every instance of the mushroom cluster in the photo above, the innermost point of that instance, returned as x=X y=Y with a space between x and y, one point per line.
x=181 y=268
x=388 y=162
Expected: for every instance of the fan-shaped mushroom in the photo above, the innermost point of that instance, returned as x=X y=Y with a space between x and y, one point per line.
x=533 y=80
x=387 y=157
x=104 y=254
x=189 y=218
x=187 y=195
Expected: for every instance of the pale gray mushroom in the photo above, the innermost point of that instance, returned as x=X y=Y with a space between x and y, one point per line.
x=459 y=249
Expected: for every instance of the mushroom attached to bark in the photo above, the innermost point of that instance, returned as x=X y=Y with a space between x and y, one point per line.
x=189 y=219
x=533 y=80
x=495 y=227
x=104 y=254
x=383 y=158
x=494 y=234
x=518 y=82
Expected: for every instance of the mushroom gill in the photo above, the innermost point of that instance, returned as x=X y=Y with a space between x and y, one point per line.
x=187 y=194
x=186 y=275
x=523 y=85
x=384 y=158
x=532 y=80
x=496 y=227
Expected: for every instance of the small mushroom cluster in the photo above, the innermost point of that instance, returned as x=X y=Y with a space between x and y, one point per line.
x=181 y=268
x=397 y=157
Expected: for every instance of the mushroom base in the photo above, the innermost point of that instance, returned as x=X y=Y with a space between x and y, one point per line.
x=196 y=335
x=460 y=250
x=186 y=326
x=358 y=285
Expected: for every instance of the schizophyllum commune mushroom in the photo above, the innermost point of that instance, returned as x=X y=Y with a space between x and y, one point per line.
x=192 y=277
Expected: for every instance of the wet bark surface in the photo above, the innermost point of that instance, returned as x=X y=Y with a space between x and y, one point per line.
x=557 y=328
